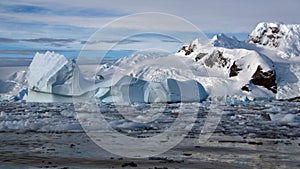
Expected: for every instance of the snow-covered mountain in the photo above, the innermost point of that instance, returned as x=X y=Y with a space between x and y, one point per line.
x=221 y=40
x=245 y=72
x=265 y=66
x=283 y=38
x=260 y=61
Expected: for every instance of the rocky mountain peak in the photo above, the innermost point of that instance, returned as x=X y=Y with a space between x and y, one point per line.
x=285 y=38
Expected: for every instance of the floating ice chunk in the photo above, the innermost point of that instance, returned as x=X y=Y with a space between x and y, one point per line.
x=68 y=113
x=285 y=118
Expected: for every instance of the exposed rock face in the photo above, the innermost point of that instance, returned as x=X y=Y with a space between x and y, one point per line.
x=294 y=99
x=246 y=88
x=200 y=56
x=99 y=77
x=190 y=48
x=216 y=58
x=234 y=70
x=265 y=79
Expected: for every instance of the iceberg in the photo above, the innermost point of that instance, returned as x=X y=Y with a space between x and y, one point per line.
x=53 y=78
x=131 y=90
x=47 y=71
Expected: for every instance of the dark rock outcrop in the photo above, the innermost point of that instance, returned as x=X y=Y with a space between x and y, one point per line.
x=246 y=88
x=234 y=70
x=188 y=49
x=216 y=57
x=200 y=56
x=293 y=99
x=268 y=37
x=266 y=79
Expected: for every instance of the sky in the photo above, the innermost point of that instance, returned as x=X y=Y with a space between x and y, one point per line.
x=27 y=26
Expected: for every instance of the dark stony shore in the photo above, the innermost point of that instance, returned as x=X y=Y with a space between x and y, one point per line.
x=249 y=135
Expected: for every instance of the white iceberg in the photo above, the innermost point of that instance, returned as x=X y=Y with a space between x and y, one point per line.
x=130 y=90
x=53 y=78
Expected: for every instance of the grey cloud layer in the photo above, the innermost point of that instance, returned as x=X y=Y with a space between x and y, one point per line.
x=73 y=21
x=211 y=16
x=51 y=41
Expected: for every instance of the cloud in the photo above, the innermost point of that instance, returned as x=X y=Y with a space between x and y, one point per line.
x=57 y=45
x=7 y=40
x=29 y=52
x=23 y=9
x=77 y=21
x=38 y=40
x=74 y=19
x=49 y=40
x=210 y=16
x=64 y=42
x=126 y=41
x=60 y=11
x=172 y=41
